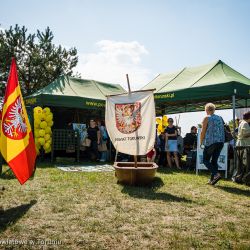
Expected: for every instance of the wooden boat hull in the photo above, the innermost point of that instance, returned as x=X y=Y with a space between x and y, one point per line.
x=128 y=174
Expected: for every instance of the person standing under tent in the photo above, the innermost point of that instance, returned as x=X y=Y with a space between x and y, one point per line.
x=243 y=140
x=244 y=131
x=94 y=136
x=180 y=143
x=213 y=138
x=103 y=142
x=171 y=143
x=161 y=147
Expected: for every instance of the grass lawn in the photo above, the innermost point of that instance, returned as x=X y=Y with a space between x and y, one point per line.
x=67 y=210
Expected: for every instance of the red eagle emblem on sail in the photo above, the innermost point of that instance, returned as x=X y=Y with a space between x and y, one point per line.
x=128 y=117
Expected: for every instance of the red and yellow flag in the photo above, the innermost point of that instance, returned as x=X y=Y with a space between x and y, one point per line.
x=17 y=143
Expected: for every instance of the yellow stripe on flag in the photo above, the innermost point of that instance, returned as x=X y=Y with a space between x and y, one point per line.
x=14 y=147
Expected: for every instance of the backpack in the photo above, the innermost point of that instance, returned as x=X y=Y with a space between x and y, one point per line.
x=228 y=134
x=104 y=134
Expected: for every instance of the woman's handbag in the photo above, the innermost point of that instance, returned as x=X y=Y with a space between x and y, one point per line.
x=228 y=134
x=86 y=142
x=70 y=149
x=102 y=147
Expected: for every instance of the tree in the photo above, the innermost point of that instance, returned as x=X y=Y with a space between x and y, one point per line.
x=231 y=124
x=39 y=61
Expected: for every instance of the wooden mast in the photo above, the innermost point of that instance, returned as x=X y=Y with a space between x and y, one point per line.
x=129 y=91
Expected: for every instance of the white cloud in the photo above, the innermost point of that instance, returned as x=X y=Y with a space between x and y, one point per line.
x=113 y=60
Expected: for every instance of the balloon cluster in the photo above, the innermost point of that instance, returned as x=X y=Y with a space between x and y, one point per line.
x=43 y=121
x=162 y=123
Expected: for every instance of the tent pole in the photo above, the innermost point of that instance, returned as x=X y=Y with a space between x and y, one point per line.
x=234 y=127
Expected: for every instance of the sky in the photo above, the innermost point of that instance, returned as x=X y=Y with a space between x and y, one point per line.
x=141 y=38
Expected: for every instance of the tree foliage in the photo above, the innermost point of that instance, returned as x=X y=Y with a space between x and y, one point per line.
x=231 y=124
x=39 y=61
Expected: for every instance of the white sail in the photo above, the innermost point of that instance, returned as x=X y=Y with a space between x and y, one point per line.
x=130 y=122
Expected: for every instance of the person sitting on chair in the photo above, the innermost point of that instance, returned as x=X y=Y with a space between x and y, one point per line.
x=190 y=140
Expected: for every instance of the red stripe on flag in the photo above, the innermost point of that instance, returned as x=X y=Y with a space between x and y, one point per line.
x=23 y=164
x=12 y=80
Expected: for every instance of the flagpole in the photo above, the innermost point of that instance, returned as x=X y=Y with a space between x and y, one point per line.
x=129 y=91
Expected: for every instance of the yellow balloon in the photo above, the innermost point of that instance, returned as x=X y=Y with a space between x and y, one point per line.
x=49 y=141
x=46 y=110
x=41 y=132
x=165 y=123
x=163 y=129
x=48 y=150
x=49 y=113
x=46 y=146
x=43 y=124
x=41 y=141
x=50 y=123
x=38 y=110
x=159 y=128
x=38 y=145
x=36 y=124
x=47 y=130
x=36 y=133
x=47 y=137
x=165 y=118
x=36 y=115
x=158 y=120
x=49 y=118
x=42 y=116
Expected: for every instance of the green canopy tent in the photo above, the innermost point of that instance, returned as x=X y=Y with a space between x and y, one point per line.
x=74 y=93
x=189 y=89
x=73 y=99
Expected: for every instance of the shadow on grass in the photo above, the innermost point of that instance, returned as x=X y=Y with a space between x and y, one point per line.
x=149 y=192
x=165 y=170
x=12 y=215
x=45 y=164
x=7 y=175
x=234 y=190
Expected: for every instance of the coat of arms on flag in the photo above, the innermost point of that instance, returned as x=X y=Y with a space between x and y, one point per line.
x=14 y=125
x=128 y=117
